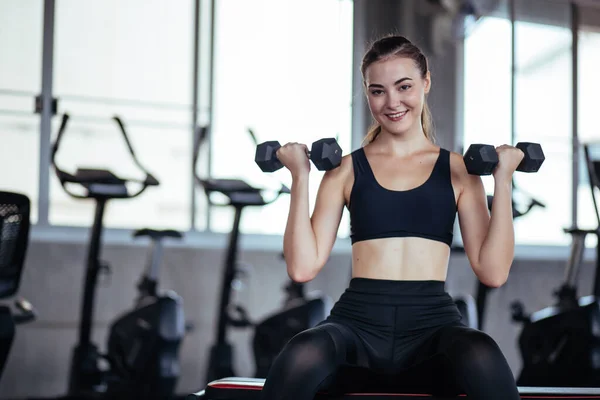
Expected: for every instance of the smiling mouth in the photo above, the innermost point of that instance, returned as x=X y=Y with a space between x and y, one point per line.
x=396 y=116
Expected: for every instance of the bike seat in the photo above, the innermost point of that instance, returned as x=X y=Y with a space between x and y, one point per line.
x=239 y=192
x=157 y=234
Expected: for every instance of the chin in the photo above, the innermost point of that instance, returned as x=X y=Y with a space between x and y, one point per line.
x=398 y=128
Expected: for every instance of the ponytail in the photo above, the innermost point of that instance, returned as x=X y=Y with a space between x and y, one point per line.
x=426 y=123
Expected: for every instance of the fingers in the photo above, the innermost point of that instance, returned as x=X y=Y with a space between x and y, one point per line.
x=507 y=147
x=294 y=145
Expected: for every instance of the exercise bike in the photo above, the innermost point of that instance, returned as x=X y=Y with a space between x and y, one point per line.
x=560 y=344
x=300 y=312
x=142 y=348
x=128 y=352
x=15 y=209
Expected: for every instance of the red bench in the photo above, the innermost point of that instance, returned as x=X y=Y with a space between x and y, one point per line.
x=249 y=389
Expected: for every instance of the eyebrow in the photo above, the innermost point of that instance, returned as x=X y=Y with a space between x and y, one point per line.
x=395 y=83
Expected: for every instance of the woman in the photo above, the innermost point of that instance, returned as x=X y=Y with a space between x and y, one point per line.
x=403 y=193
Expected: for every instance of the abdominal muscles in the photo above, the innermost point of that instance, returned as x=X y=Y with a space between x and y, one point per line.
x=400 y=259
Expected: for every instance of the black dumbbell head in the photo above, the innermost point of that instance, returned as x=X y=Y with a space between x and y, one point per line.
x=326 y=154
x=534 y=156
x=266 y=156
x=481 y=159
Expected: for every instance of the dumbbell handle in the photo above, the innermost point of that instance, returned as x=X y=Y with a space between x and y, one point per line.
x=275 y=153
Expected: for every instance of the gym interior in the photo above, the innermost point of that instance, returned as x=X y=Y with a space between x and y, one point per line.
x=175 y=96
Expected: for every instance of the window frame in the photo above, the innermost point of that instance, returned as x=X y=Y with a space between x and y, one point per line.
x=202 y=114
x=206 y=239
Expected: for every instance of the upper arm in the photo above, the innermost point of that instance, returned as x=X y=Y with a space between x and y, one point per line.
x=329 y=206
x=473 y=214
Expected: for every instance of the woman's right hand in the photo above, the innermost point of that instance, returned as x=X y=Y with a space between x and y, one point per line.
x=294 y=156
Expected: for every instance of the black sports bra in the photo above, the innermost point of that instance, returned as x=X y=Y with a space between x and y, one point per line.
x=427 y=211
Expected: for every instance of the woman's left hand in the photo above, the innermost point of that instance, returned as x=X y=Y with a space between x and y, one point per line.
x=509 y=158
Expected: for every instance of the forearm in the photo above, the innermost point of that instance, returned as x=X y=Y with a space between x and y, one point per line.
x=299 y=242
x=497 y=250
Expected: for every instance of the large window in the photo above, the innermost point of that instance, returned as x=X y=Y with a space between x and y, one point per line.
x=150 y=62
x=133 y=59
x=288 y=78
x=539 y=110
x=20 y=81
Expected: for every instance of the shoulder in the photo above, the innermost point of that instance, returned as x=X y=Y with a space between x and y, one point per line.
x=457 y=163
x=459 y=172
x=343 y=170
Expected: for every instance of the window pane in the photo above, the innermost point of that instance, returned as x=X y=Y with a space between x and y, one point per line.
x=487 y=86
x=589 y=129
x=20 y=81
x=134 y=59
x=284 y=81
x=543 y=104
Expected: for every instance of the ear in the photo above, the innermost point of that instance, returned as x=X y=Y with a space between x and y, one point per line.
x=427 y=82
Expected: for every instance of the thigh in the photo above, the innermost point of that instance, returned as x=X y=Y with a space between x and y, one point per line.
x=309 y=361
x=459 y=342
x=466 y=360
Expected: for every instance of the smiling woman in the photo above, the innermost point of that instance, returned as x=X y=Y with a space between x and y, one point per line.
x=403 y=193
x=409 y=57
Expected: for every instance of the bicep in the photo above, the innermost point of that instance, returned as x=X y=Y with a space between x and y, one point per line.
x=474 y=217
x=327 y=214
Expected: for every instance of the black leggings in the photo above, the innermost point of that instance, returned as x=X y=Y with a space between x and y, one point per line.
x=391 y=336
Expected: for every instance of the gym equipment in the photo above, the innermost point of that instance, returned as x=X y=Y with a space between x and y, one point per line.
x=560 y=344
x=15 y=209
x=300 y=312
x=482 y=159
x=325 y=153
x=468 y=309
x=138 y=359
x=155 y=327
x=250 y=388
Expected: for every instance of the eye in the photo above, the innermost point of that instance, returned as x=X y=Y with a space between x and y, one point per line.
x=376 y=92
x=405 y=87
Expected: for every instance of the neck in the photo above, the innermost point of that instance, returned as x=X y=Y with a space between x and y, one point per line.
x=402 y=144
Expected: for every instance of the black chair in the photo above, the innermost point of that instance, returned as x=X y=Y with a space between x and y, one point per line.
x=14 y=239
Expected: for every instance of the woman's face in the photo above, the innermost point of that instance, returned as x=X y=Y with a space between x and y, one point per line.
x=396 y=93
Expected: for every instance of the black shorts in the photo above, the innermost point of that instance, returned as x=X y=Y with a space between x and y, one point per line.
x=391 y=320
x=391 y=336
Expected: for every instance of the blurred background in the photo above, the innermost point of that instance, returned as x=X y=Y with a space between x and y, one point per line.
x=503 y=71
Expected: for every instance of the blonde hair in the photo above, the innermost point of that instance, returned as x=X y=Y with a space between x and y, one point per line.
x=395 y=45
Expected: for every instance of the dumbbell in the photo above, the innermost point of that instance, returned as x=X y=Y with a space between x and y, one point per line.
x=482 y=159
x=325 y=153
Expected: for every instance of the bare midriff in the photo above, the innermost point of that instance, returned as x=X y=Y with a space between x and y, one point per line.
x=411 y=258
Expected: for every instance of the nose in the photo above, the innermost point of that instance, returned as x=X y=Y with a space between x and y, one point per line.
x=394 y=99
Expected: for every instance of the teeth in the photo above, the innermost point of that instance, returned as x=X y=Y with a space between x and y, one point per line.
x=397 y=115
